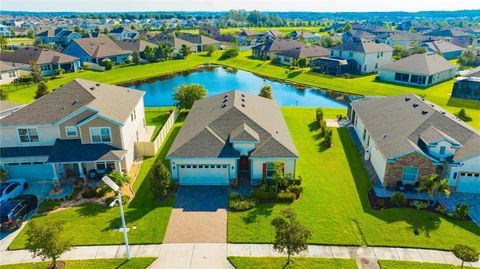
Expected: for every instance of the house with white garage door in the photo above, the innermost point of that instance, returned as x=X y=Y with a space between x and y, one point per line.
x=406 y=138
x=234 y=135
x=79 y=127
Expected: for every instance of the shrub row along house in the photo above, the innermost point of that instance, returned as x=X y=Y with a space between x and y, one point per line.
x=406 y=138
x=73 y=130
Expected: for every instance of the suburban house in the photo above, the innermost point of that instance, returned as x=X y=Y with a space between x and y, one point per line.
x=5 y=30
x=308 y=52
x=406 y=138
x=270 y=35
x=121 y=33
x=233 y=135
x=446 y=49
x=368 y=55
x=454 y=36
x=402 y=39
x=306 y=36
x=418 y=69
x=247 y=33
x=79 y=127
x=468 y=86
x=94 y=50
x=333 y=66
x=58 y=36
x=355 y=35
x=137 y=45
x=47 y=60
x=200 y=41
x=8 y=72
x=175 y=42
x=271 y=48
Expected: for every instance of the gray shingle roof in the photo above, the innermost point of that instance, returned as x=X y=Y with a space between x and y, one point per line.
x=426 y=63
x=279 y=45
x=211 y=121
x=134 y=44
x=244 y=133
x=365 y=46
x=4 y=66
x=113 y=102
x=442 y=46
x=100 y=47
x=13 y=152
x=72 y=150
x=28 y=55
x=306 y=52
x=396 y=125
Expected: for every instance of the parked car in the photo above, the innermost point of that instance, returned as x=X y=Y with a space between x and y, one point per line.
x=13 y=212
x=12 y=188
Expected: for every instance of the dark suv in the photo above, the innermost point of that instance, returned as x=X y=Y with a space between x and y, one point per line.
x=13 y=212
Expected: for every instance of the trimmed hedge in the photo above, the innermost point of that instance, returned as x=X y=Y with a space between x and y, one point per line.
x=272 y=197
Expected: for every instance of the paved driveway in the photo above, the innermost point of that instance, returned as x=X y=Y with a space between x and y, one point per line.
x=199 y=215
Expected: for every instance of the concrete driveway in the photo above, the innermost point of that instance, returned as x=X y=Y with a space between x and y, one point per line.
x=199 y=215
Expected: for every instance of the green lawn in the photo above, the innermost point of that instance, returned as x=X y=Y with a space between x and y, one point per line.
x=157 y=116
x=150 y=216
x=334 y=205
x=134 y=263
x=285 y=30
x=417 y=265
x=297 y=262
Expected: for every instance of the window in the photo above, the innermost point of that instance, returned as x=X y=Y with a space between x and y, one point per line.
x=71 y=131
x=376 y=65
x=340 y=54
x=270 y=169
x=12 y=74
x=331 y=53
x=105 y=166
x=28 y=135
x=430 y=79
x=45 y=67
x=364 y=134
x=442 y=150
x=410 y=174
x=402 y=77
x=100 y=135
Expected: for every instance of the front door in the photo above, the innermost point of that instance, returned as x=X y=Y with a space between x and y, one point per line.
x=244 y=163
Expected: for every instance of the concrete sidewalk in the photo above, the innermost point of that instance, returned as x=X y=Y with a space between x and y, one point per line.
x=215 y=255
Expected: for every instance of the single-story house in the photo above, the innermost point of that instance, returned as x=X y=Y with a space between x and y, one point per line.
x=448 y=50
x=94 y=50
x=175 y=42
x=8 y=72
x=308 y=52
x=137 y=45
x=418 y=69
x=200 y=41
x=47 y=60
x=233 y=135
x=406 y=138
x=333 y=66
x=454 y=36
x=307 y=36
x=468 y=86
x=270 y=48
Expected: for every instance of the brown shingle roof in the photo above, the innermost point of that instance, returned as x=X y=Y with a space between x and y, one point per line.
x=28 y=55
x=134 y=44
x=365 y=46
x=99 y=47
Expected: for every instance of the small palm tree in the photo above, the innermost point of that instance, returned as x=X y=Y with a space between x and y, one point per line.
x=441 y=186
x=428 y=185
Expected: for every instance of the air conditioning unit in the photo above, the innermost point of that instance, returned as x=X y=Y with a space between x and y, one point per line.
x=367 y=155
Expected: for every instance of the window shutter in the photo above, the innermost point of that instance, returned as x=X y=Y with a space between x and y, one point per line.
x=264 y=170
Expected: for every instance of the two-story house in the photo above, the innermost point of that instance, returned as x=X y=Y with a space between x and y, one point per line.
x=95 y=50
x=406 y=138
x=58 y=36
x=368 y=55
x=122 y=33
x=81 y=126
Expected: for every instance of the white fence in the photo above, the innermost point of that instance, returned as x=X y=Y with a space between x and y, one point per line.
x=147 y=148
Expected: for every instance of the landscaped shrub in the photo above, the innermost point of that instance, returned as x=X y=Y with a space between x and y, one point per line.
x=328 y=138
x=119 y=178
x=48 y=205
x=160 y=181
x=286 y=197
x=264 y=196
x=460 y=212
x=319 y=115
x=236 y=202
x=107 y=64
x=419 y=204
x=398 y=199
x=230 y=53
x=125 y=199
x=297 y=189
x=95 y=193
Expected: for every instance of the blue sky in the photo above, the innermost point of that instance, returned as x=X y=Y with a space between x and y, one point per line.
x=221 y=5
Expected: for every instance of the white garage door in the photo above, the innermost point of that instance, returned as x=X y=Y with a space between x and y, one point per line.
x=203 y=174
x=31 y=171
x=469 y=182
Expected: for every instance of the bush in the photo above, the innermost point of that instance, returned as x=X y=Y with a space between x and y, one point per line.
x=160 y=181
x=297 y=189
x=328 y=137
x=286 y=197
x=319 y=116
x=230 y=53
x=236 y=202
x=107 y=64
x=125 y=199
x=462 y=114
x=94 y=193
x=460 y=212
x=119 y=178
x=398 y=199
x=48 y=205
x=264 y=196
x=419 y=204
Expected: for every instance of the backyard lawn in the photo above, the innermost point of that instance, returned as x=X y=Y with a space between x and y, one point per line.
x=297 y=263
x=157 y=116
x=134 y=263
x=334 y=205
x=417 y=265
x=93 y=224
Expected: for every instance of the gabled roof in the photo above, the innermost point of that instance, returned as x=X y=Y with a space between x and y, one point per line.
x=426 y=63
x=396 y=124
x=4 y=66
x=100 y=47
x=303 y=34
x=49 y=33
x=277 y=45
x=112 y=102
x=213 y=120
x=198 y=39
x=72 y=150
x=306 y=52
x=134 y=44
x=404 y=36
x=244 y=133
x=442 y=46
x=360 y=34
x=274 y=33
x=365 y=46
x=175 y=41
x=118 y=30
x=248 y=33
x=433 y=135
x=447 y=32
x=28 y=55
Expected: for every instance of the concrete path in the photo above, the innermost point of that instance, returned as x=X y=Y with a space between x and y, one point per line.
x=212 y=256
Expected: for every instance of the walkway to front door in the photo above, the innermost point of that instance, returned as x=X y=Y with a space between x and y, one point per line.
x=199 y=215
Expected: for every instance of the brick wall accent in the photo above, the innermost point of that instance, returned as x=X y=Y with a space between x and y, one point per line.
x=394 y=170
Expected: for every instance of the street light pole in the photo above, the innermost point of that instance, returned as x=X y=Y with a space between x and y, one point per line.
x=123 y=224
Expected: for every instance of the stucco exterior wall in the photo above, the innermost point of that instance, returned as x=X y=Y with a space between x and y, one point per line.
x=132 y=131
x=256 y=167
x=470 y=165
x=47 y=136
x=115 y=131
x=72 y=122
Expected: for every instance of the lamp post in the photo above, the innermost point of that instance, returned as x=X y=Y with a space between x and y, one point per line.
x=116 y=188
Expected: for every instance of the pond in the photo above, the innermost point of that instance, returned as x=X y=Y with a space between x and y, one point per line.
x=218 y=80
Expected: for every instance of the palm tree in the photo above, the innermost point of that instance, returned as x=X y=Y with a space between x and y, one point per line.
x=428 y=185
x=3 y=42
x=441 y=186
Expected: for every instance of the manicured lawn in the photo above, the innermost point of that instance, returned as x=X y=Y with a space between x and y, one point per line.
x=334 y=205
x=417 y=265
x=285 y=30
x=134 y=263
x=157 y=116
x=297 y=262
x=93 y=224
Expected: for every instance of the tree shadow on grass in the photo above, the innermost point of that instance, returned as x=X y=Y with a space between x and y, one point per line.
x=90 y=209
x=294 y=74
x=461 y=103
x=264 y=210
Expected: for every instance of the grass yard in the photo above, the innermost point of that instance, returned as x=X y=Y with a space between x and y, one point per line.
x=417 y=265
x=285 y=30
x=157 y=116
x=134 y=263
x=297 y=262
x=334 y=205
x=93 y=224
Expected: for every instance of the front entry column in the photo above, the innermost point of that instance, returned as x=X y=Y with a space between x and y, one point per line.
x=54 y=170
x=80 y=171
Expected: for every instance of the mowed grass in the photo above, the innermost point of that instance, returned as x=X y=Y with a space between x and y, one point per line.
x=297 y=263
x=284 y=30
x=93 y=224
x=417 y=265
x=334 y=205
x=157 y=116
x=134 y=263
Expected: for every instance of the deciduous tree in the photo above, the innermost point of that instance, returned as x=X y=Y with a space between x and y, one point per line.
x=185 y=95
x=266 y=91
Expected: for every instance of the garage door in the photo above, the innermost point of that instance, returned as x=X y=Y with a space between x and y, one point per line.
x=31 y=171
x=469 y=182
x=203 y=174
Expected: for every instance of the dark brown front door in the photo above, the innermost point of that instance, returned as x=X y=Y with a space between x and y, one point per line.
x=244 y=163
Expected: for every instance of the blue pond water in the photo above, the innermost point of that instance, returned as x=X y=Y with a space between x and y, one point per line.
x=159 y=90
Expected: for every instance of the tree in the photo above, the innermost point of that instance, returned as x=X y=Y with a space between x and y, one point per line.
x=428 y=185
x=266 y=91
x=210 y=48
x=302 y=62
x=319 y=115
x=119 y=178
x=462 y=114
x=328 y=137
x=399 y=52
x=105 y=31
x=35 y=72
x=290 y=236
x=30 y=34
x=230 y=53
x=165 y=50
x=328 y=42
x=468 y=58
x=441 y=187
x=160 y=181
x=278 y=176
x=184 y=51
x=185 y=95
x=76 y=29
x=46 y=240
x=135 y=57
x=42 y=89
x=3 y=42
x=465 y=253
x=107 y=63
x=347 y=27
x=59 y=72
x=149 y=54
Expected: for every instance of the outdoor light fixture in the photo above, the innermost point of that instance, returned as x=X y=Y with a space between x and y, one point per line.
x=116 y=188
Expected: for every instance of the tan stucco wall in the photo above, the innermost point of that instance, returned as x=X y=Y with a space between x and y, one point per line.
x=99 y=122
x=72 y=122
